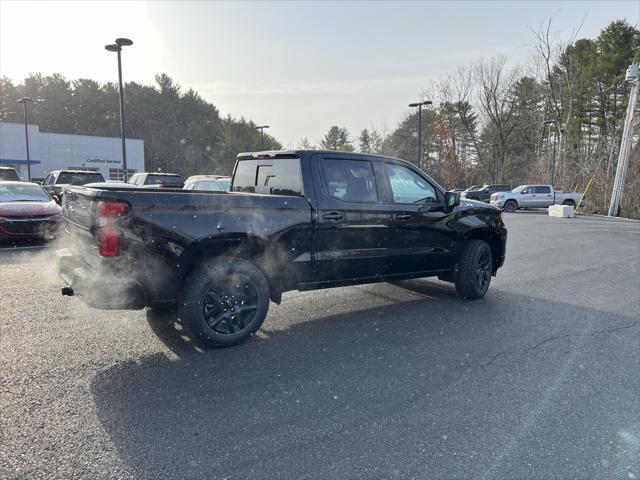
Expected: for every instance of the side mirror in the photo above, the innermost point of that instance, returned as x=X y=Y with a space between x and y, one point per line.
x=57 y=199
x=451 y=199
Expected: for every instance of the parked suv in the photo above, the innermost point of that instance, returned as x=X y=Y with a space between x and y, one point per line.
x=213 y=183
x=484 y=193
x=9 y=174
x=157 y=180
x=55 y=182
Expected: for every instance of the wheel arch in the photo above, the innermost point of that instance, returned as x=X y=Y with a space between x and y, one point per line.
x=494 y=241
x=245 y=246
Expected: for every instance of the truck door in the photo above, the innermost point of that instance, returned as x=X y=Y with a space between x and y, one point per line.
x=352 y=224
x=417 y=242
x=544 y=196
x=527 y=198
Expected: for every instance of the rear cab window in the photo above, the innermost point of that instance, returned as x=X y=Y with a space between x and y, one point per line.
x=277 y=176
x=169 y=180
x=79 y=178
x=9 y=174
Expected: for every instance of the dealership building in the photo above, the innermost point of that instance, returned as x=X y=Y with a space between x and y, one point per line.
x=61 y=151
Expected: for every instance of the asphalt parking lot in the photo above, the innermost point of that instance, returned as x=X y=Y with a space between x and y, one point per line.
x=538 y=380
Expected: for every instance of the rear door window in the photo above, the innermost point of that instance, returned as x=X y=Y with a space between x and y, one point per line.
x=542 y=189
x=349 y=180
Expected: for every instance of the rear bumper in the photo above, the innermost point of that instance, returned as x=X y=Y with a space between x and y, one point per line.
x=99 y=287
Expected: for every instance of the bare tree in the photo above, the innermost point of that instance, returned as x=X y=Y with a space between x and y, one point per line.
x=559 y=83
x=495 y=84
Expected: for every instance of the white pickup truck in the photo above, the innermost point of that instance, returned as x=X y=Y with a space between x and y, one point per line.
x=533 y=196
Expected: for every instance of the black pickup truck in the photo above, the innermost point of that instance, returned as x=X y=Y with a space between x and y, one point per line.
x=293 y=220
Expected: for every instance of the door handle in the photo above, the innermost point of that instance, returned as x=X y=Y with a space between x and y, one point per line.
x=403 y=216
x=333 y=216
x=533 y=195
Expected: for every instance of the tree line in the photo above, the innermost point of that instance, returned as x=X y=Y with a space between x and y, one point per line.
x=182 y=132
x=555 y=119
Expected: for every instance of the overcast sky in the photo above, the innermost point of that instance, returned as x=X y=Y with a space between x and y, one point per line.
x=297 y=66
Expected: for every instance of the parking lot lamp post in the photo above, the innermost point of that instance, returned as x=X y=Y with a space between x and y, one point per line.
x=261 y=128
x=117 y=47
x=24 y=101
x=419 y=105
x=494 y=173
x=552 y=153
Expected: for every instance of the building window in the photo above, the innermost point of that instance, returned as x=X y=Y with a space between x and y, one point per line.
x=117 y=174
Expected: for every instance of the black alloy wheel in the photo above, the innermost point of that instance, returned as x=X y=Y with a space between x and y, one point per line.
x=474 y=270
x=229 y=308
x=224 y=301
x=483 y=269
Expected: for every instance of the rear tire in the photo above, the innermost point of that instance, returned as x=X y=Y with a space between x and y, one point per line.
x=569 y=203
x=474 y=270
x=223 y=302
x=510 y=206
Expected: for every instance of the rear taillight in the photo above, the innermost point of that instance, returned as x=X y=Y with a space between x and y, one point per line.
x=109 y=237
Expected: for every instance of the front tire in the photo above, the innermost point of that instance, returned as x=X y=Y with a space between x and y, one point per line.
x=224 y=301
x=474 y=270
x=510 y=206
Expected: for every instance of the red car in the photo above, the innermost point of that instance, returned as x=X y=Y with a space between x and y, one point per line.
x=27 y=211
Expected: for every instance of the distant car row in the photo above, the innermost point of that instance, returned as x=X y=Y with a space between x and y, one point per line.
x=29 y=210
x=58 y=179
x=523 y=196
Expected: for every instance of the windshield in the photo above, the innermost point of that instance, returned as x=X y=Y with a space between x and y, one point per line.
x=23 y=193
x=79 y=178
x=519 y=188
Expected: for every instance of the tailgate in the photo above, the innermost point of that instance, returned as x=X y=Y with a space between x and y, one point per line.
x=78 y=230
x=77 y=205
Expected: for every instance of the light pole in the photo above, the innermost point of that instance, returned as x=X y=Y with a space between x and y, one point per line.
x=24 y=101
x=117 y=47
x=419 y=105
x=552 y=155
x=494 y=173
x=633 y=76
x=261 y=128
